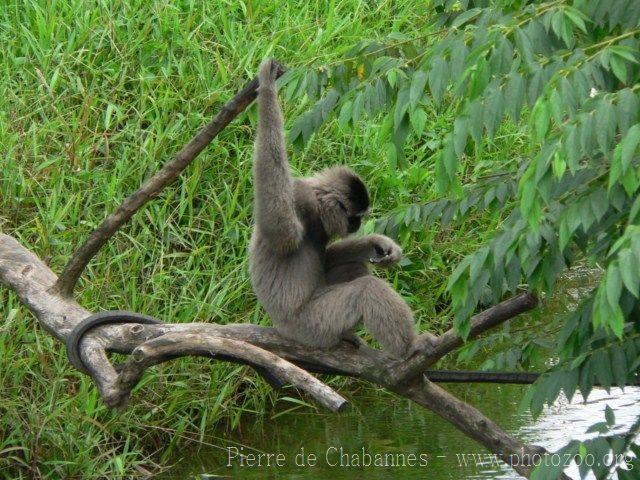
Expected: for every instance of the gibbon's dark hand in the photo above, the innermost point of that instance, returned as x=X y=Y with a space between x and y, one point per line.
x=268 y=73
x=386 y=252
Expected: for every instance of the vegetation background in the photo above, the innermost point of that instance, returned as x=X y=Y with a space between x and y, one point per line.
x=96 y=95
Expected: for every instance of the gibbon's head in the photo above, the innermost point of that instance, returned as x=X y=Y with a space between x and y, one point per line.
x=342 y=200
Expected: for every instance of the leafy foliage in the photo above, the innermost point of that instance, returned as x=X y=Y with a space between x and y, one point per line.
x=567 y=72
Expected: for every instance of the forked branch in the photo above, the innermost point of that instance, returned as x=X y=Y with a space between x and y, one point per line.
x=50 y=299
x=31 y=279
x=451 y=339
x=173 y=345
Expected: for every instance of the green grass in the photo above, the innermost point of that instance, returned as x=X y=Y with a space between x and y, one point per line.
x=94 y=97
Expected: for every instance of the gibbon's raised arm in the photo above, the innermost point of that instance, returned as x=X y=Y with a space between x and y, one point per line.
x=275 y=213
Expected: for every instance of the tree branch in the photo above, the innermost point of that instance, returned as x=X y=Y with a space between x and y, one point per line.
x=167 y=174
x=474 y=424
x=169 y=346
x=450 y=340
x=31 y=279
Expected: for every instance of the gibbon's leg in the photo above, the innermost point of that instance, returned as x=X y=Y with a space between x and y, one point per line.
x=335 y=311
x=274 y=202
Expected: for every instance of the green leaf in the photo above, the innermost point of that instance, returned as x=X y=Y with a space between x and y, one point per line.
x=576 y=16
x=493 y=110
x=628 y=146
x=465 y=17
x=602 y=368
x=559 y=165
x=619 y=68
x=438 y=78
x=524 y=44
x=635 y=209
x=418 y=82
x=587 y=134
x=358 y=107
x=402 y=104
x=477 y=263
x=614 y=285
x=345 y=114
x=541 y=116
x=459 y=271
x=625 y=52
x=475 y=111
x=460 y=133
x=599 y=203
x=630 y=271
x=557 y=109
x=514 y=95
x=557 y=23
x=609 y=416
x=392 y=156
x=449 y=158
x=418 y=119
x=630 y=182
x=571 y=147
x=619 y=365
x=605 y=117
x=628 y=109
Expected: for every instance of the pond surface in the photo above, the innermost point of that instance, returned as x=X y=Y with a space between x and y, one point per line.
x=388 y=430
x=382 y=437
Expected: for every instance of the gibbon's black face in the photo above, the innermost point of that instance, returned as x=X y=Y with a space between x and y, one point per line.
x=342 y=200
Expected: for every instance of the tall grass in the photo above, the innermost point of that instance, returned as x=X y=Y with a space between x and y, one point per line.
x=94 y=97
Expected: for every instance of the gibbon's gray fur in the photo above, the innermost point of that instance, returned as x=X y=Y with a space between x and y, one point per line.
x=317 y=292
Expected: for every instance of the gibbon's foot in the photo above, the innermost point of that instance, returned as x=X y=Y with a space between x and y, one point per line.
x=386 y=252
x=426 y=342
x=354 y=340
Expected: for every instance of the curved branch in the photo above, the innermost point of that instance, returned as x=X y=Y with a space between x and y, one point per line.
x=172 y=346
x=474 y=424
x=31 y=279
x=450 y=340
x=168 y=173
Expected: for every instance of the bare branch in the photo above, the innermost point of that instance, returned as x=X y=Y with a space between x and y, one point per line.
x=171 y=346
x=450 y=340
x=474 y=424
x=167 y=174
x=31 y=279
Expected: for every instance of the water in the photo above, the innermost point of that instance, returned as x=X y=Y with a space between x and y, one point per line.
x=383 y=437
x=386 y=426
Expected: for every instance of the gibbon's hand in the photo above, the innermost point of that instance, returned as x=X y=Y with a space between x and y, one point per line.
x=386 y=252
x=268 y=74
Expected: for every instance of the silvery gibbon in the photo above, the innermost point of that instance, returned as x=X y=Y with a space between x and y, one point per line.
x=316 y=290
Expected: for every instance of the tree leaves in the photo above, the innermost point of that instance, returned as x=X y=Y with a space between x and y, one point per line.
x=540 y=116
x=565 y=75
x=418 y=83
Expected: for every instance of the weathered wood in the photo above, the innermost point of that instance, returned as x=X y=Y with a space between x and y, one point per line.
x=31 y=279
x=474 y=424
x=167 y=174
x=450 y=340
x=174 y=345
